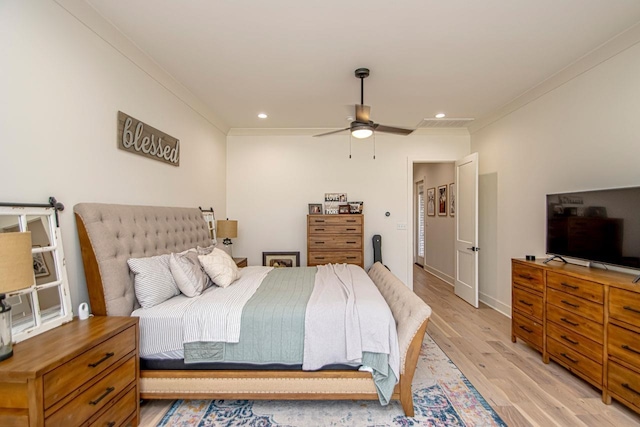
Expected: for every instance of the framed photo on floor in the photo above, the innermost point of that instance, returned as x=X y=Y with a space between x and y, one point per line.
x=281 y=259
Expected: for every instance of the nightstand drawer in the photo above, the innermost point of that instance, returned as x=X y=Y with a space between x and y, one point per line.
x=577 y=287
x=527 y=276
x=624 y=305
x=527 y=303
x=96 y=397
x=335 y=242
x=580 y=306
x=68 y=377
x=122 y=410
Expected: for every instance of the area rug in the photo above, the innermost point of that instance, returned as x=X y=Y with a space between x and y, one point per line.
x=442 y=396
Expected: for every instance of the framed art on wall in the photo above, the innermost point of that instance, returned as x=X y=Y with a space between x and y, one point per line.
x=442 y=200
x=431 y=201
x=452 y=199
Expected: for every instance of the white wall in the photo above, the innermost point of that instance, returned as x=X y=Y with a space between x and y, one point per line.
x=62 y=87
x=439 y=230
x=271 y=179
x=582 y=135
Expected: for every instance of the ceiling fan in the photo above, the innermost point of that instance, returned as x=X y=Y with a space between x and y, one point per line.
x=362 y=127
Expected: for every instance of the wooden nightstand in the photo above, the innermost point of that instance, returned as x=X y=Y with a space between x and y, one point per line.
x=241 y=262
x=85 y=372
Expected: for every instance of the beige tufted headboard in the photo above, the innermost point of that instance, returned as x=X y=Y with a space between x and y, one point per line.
x=111 y=234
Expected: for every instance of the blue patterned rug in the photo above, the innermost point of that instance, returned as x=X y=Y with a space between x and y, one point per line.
x=442 y=396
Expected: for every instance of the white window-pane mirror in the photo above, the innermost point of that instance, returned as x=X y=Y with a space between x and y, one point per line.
x=21 y=313
x=40 y=232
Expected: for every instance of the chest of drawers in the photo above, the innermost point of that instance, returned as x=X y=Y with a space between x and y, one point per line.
x=586 y=320
x=81 y=373
x=335 y=239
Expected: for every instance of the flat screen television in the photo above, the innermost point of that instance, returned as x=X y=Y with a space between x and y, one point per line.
x=599 y=225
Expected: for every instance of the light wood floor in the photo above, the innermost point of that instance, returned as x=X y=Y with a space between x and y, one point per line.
x=511 y=377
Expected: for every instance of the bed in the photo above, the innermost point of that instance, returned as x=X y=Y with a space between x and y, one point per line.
x=111 y=234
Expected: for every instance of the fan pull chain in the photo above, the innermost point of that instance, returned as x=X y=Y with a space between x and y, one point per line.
x=350 y=139
x=374 y=145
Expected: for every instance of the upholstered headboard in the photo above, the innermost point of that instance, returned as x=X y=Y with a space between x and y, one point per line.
x=111 y=234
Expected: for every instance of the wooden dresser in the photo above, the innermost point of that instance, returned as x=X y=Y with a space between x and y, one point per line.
x=335 y=239
x=82 y=373
x=587 y=320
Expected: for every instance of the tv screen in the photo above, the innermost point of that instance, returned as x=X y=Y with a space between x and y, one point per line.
x=599 y=225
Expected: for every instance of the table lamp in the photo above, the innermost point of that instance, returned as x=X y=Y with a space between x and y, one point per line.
x=16 y=272
x=227 y=229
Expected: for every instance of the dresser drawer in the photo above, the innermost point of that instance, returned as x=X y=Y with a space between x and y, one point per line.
x=335 y=257
x=575 y=341
x=527 y=303
x=93 y=399
x=581 y=288
x=588 y=328
x=624 y=305
x=71 y=375
x=527 y=329
x=527 y=276
x=335 y=220
x=625 y=383
x=335 y=229
x=335 y=242
x=119 y=412
x=575 y=361
x=623 y=344
x=576 y=305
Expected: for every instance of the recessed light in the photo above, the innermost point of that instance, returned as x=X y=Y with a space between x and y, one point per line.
x=262 y=115
x=440 y=115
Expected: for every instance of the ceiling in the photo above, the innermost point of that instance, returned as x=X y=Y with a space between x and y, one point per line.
x=294 y=60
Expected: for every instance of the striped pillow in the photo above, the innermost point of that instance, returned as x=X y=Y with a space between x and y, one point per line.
x=153 y=282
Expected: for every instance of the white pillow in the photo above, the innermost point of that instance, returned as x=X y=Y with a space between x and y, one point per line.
x=153 y=282
x=220 y=267
x=188 y=273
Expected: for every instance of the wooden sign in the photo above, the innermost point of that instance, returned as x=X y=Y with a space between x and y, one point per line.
x=139 y=138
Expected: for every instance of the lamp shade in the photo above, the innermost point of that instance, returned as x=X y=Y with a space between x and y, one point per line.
x=227 y=228
x=16 y=262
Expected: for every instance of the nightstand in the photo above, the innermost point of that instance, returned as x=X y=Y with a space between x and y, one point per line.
x=84 y=372
x=241 y=262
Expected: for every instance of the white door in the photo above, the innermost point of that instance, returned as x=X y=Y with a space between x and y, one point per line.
x=420 y=223
x=466 y=232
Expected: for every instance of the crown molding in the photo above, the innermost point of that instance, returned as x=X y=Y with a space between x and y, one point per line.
x=96 y=23
x=597 y=56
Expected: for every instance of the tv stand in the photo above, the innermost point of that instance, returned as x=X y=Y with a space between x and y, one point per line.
x=546 y=261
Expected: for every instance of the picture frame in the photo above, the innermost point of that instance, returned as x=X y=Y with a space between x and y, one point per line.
x=40 y=268
x=356 y=207
x=452 y=199
x=281 y=259
x=442 y=200
x=332 y=201
x=431 y=201
x=344 y=209
x=315 y=208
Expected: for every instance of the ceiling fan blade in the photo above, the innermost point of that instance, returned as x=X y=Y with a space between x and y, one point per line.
x=332 y=132
x=362 y=113
x=390 y=129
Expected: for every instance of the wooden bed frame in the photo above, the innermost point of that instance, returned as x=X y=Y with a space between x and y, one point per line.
x=111 y=234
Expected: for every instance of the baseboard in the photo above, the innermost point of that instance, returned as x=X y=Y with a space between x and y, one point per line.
x=440 y=275
x=495 y=304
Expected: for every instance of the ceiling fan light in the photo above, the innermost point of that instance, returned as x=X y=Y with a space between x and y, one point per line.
x=361 y=131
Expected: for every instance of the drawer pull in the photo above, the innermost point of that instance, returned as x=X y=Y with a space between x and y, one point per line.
x=105 y=394
x=319 y=220
x=565 y=320
x=564 y=337
x=319 y=243
x=524 y=328
x=351 y=229
x=106 y=356
x=628 y=308
x=569 y=358
x=569 y=286
x=570 y=304
x=351 y=243
x=628 y=387
x=351 y=257
x=111 y=424
x=525 y=276
x=528 y=304
x=633 y=350
x=351 y=220
x=319 y=229
x=319 y=257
